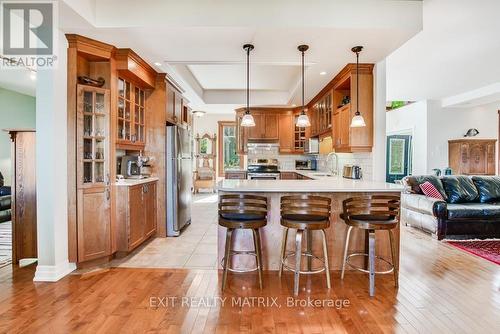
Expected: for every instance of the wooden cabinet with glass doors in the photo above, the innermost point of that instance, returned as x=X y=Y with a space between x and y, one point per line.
x=131 y=116
x=93 y=178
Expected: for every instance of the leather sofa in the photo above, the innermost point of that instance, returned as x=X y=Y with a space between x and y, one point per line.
x=470 y=209
x=5 y=202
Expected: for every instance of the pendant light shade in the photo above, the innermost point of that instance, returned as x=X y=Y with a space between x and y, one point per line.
x=303 y=119
x=357 y=121
x=247 y=119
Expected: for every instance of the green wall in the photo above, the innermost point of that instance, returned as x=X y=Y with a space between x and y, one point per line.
x=16 y=111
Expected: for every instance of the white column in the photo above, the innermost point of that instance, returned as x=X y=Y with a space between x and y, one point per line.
x=379 y=127
x=51 y=171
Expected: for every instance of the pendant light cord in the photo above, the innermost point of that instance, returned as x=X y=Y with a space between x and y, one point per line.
x=357 y=83
x=303 y=108
x=248 y=80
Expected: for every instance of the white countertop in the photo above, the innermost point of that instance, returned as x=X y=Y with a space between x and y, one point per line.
x=134 y=182
x=320 y=183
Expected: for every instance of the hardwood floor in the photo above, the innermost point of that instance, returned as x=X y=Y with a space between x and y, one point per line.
x=442 y=290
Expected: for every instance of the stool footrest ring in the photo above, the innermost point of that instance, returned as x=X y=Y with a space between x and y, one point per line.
x=308 y=272
x=367 y=271
x=236 y=252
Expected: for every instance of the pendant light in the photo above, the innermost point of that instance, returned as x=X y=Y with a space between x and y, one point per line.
x=247 y=119
x=357 y=121
x=303 y=119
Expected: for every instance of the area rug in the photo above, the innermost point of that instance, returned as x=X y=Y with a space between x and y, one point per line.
x=486 y=249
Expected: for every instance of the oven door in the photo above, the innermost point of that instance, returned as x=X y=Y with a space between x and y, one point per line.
x=263 y=176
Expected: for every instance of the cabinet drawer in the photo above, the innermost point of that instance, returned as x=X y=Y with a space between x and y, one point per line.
x=236 y=175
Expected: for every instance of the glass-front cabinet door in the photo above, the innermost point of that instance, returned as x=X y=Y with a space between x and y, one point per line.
x=93 y=136
x=131 y=114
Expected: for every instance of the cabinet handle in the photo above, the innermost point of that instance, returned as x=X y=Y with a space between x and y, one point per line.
x=107 y=179
x=107 y=194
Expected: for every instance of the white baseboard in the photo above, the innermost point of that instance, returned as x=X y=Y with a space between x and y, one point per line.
x=53 y=273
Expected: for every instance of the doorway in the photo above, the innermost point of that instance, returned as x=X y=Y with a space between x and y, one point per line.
x=399 y=157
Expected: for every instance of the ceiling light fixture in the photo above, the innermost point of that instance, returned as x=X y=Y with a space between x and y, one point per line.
x=32 y=75
x=199 y=113
x=247 y=119
x=303 y=119
x=322 y=73
x=357 y=121
x=158 y=64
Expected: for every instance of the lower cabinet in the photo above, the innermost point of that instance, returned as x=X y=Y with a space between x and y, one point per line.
x=233 y=174
x=288 y=176
x=136 y=215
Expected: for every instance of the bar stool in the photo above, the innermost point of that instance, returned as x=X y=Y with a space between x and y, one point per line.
x=371 y=213
x=305 y=213
x=242 y=211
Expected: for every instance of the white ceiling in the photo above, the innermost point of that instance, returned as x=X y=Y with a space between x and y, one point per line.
x=456 y=52
x=199 y=44
x=18 y=80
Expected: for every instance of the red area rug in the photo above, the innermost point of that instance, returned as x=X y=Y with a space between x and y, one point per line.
x=487 y=249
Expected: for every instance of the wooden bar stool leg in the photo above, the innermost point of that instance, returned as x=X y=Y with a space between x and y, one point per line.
x=227 y=252
x=346 y=248
x=326 y=258
x=256 y=242
x=309 y=249
x=394 y=261
x=371 y=261
x=298 y=257
x=283 y=249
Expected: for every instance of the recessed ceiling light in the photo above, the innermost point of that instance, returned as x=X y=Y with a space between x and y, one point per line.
x=294 y=105
x=322 y=73
x=158 y=64
x=33 y=75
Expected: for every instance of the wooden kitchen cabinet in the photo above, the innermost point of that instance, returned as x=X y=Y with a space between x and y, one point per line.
x=472 y=156
x=131 y=127
x=176 y=113
x=271 y=127
x=136 y=214
x=288 y=176
x=235 y=174
x=93 y=174
x=286 y=124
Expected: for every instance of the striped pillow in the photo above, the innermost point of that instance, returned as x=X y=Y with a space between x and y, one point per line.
x=430 y=191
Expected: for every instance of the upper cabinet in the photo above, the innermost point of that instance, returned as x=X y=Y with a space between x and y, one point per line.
x=272 y=125
x=177 y=108
x=131 y=115
x=332 y=110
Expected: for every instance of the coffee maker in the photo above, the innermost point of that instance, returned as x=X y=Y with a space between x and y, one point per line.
x=135 y=166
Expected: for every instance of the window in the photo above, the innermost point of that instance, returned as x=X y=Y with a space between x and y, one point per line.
x=228 y=156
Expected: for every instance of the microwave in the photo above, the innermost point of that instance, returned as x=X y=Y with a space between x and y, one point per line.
x=311 y=146
x=310 y=164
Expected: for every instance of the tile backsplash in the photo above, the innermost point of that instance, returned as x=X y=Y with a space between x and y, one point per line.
x=287 y=162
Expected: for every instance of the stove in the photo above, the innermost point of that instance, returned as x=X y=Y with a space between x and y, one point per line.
x=263 y=169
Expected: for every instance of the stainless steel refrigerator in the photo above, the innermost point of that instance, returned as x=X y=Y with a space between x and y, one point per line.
x=179 y=179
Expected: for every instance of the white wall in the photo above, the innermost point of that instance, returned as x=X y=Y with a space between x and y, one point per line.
x=412 y=119
x=51 y=171
x=432 y=126
x=452 y=123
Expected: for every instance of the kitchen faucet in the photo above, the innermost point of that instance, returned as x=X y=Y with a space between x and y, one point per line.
x=335 y=171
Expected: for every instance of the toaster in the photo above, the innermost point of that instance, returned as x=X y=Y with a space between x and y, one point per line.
x=352 y=172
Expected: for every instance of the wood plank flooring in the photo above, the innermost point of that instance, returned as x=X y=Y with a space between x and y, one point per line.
x=442 y=290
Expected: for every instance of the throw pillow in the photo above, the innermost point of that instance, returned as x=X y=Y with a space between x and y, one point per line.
x=460 y=189
x=429 y=190
x=415 y=181
x=488 y=187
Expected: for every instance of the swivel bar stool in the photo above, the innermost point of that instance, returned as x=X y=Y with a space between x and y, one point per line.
x=242 y=211
x=305 y=213
x=371 y=213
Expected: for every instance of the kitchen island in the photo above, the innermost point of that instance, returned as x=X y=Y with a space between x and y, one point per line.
x=322 y=184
